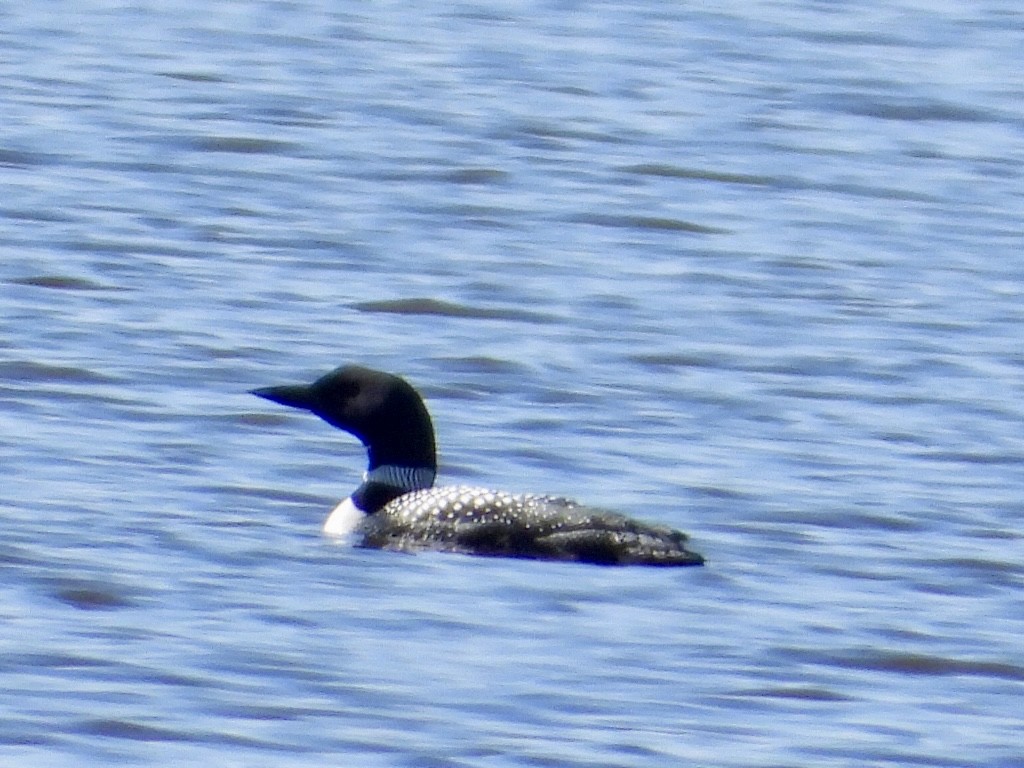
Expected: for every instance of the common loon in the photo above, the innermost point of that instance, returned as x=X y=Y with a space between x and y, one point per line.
x=397 y=508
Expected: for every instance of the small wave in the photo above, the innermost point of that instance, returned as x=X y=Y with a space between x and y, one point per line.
x=423 y=306
x=661 y=223
x=923 y=664
x=61 y=283
x=698 y=174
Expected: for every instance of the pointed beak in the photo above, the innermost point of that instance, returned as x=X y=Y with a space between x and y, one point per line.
x=293 y=395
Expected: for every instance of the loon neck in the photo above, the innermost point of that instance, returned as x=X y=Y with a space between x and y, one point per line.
x=389 y=481
x=406 y=478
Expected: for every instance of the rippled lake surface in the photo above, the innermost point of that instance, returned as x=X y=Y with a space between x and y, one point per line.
x=754 y=271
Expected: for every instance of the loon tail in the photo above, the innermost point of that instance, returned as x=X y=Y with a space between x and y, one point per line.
x=612 y=539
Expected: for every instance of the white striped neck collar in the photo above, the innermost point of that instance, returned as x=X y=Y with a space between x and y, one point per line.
x=405 y=478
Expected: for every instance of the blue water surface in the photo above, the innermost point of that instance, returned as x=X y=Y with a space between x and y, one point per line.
x=753 y=271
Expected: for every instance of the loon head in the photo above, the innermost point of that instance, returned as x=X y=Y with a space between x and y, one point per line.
x=383 y=411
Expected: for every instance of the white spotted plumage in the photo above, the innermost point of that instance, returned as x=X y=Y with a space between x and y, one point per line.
x=485 y=521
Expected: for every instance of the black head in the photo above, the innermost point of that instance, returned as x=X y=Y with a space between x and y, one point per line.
x=382 y=410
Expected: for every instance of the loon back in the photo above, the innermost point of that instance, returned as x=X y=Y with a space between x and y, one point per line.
x=397 y=508
x=483 y=522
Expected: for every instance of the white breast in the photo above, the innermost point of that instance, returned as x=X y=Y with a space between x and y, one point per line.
x=343 y=519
